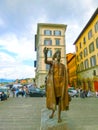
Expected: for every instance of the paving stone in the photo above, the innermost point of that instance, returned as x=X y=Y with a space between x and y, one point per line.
x=25 y=114
x=21 y=113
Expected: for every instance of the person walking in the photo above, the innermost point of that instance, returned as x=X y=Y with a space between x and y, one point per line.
x=97 y=93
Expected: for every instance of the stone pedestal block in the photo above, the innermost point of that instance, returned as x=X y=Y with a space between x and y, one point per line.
x=52 y=124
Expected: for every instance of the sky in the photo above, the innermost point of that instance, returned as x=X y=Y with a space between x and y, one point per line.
x=18 y=26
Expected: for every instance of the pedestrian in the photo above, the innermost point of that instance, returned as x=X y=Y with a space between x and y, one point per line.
x=97 y=93
x=85 y=93
x=26 y=91
x=89 y=94
x=3 y=96
x=13 y=91
x=22 y=92
x=56 y=85
x=82 y=93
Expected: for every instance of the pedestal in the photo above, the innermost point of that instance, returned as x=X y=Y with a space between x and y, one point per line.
x=52 y=124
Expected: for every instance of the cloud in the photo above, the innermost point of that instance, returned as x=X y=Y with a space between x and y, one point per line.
x=23 y=46
x=1 y=22
x=18 y=26
x=17 y=72
x=12 y=61
x=5 y=60
x=11 y=68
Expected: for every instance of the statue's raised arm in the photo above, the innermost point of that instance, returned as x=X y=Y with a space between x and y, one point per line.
x=45 y=51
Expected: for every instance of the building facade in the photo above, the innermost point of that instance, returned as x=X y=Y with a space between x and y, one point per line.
x=51 y=36
x=87 y=55
x=71 y=69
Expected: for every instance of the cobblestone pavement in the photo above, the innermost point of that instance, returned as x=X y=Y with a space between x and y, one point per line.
x=83 y=113
x=21 y=113
x=25 y=113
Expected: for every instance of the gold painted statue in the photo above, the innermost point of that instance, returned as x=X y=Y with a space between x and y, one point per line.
x=56 y=85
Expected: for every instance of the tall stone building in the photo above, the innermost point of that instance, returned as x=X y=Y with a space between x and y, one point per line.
x=51 y=36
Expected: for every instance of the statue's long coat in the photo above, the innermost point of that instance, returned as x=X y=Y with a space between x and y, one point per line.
x=56 y=86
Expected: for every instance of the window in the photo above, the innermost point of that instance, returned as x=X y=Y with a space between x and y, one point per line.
x=47 y=42
x=80 y=45
x=90 y=34
x=35 y=63
x=78 y=68
x=94 y=72
x=57 y=42
x=86 y=65
x=81 y=66
x=91 y=47
x=84 y=40
x=96 y=42
x=81 y=55
x=49 y=54
x=77 y=58
x=76 y=49
x=47 y=32
x=96 y=27
x=93 y=61
x=57 y=33
x=85 y=52
x=47 y=67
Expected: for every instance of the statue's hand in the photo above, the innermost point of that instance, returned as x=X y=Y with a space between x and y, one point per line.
x=45 y=51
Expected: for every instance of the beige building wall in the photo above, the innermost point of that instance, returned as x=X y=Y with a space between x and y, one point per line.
x=41 y=70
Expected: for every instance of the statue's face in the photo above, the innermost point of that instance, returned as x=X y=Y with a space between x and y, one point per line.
x=58 y=56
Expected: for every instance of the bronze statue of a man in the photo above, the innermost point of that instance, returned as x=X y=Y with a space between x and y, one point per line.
x=56 y=85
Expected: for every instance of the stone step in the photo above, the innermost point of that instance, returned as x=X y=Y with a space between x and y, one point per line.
x=87 y=127
x=81 y=116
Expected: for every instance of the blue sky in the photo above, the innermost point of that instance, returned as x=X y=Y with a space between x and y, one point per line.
x=18 y=25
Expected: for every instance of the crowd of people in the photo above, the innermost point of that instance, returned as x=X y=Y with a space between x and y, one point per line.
x=86 y=93
x=23 y=91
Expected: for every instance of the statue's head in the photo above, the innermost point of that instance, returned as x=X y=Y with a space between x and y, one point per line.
x=57 y=55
